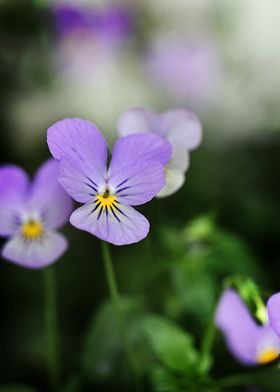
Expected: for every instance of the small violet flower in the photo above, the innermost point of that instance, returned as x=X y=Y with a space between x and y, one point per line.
x=135 y=175
x=30 y=213
x=248 y=341
x=89 y=37
x=188 y=71
x=112 y=23
x=179 y=126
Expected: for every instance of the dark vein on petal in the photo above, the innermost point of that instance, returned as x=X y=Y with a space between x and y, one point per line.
x=123 y=189
x=123 y=182
x=115 y=215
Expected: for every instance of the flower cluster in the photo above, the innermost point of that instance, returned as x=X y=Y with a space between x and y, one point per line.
x=149 y=159
x=249 y=342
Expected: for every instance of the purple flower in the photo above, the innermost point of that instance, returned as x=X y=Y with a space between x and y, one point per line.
x=248 y=341
x=90 y=37
x=179 y=126
x=187 y=70
x=30 y=213
x=114 y=22
x=135 y=175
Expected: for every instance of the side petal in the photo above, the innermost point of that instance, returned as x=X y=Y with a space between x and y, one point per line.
x=273 y=309
x=14 y=188
x=175 y=171
x=182 y=127
x=174 y=181
x=242 y=334
x=76 y=182
x=121 y=226
x=136 y=173
x=133 y=148
x=137 y=120
x=80 y=142
x=48 y=197
x=35 y=254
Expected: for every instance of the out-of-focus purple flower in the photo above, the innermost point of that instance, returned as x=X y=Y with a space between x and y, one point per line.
x=135 y=176
x=30 y=213
x=179 y=126
x=112 y=23
x=248 y=341
x=188 y=71
x=88 y=37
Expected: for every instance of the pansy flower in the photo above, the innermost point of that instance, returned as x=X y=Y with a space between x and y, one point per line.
x=135 y=175
x=31 y=213
x=179 y=126
x=251 y=343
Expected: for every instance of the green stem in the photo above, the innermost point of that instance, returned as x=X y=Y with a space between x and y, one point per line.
x=115 y=296
x=52 y=328
x=206 y=347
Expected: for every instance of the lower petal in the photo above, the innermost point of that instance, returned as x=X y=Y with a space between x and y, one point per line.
x=35 y=253
x=121 y=226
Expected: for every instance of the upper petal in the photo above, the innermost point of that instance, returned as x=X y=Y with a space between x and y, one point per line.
x=14 y=188
x=122 y=226
x=242 y=334
x=35 y=253
x=182 y=127
x=80 y=142
x=136 y=173
x=137 y=120
x=273 y=308
x=48 y=197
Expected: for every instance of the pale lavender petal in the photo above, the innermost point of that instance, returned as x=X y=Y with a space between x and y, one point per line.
x=174 y=181
x=49 y=198
x=76 y=181
x=175 y=171
x=241 y=332
x=121 y=227
x=135 y=174
x=273 y=308
x=35 y=253
x=14 y=188
x=139 y=119
x=80 y=142
x=182 y=127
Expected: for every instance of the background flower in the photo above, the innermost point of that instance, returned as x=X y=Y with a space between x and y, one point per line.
x=30 y=215
x=180 y=127
x=249 y=342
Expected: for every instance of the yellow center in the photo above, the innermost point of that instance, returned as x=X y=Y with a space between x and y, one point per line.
x=32 y=229
x=106 y=201
x=267 y=356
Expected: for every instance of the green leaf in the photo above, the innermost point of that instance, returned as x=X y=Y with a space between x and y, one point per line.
x=172 y=346
x=102 y=355
x=162 y=380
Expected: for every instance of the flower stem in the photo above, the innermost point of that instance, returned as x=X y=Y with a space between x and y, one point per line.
x=52 y=328
x=115 y=297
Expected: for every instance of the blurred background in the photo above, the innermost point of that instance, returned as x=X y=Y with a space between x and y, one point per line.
x=95 y=59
